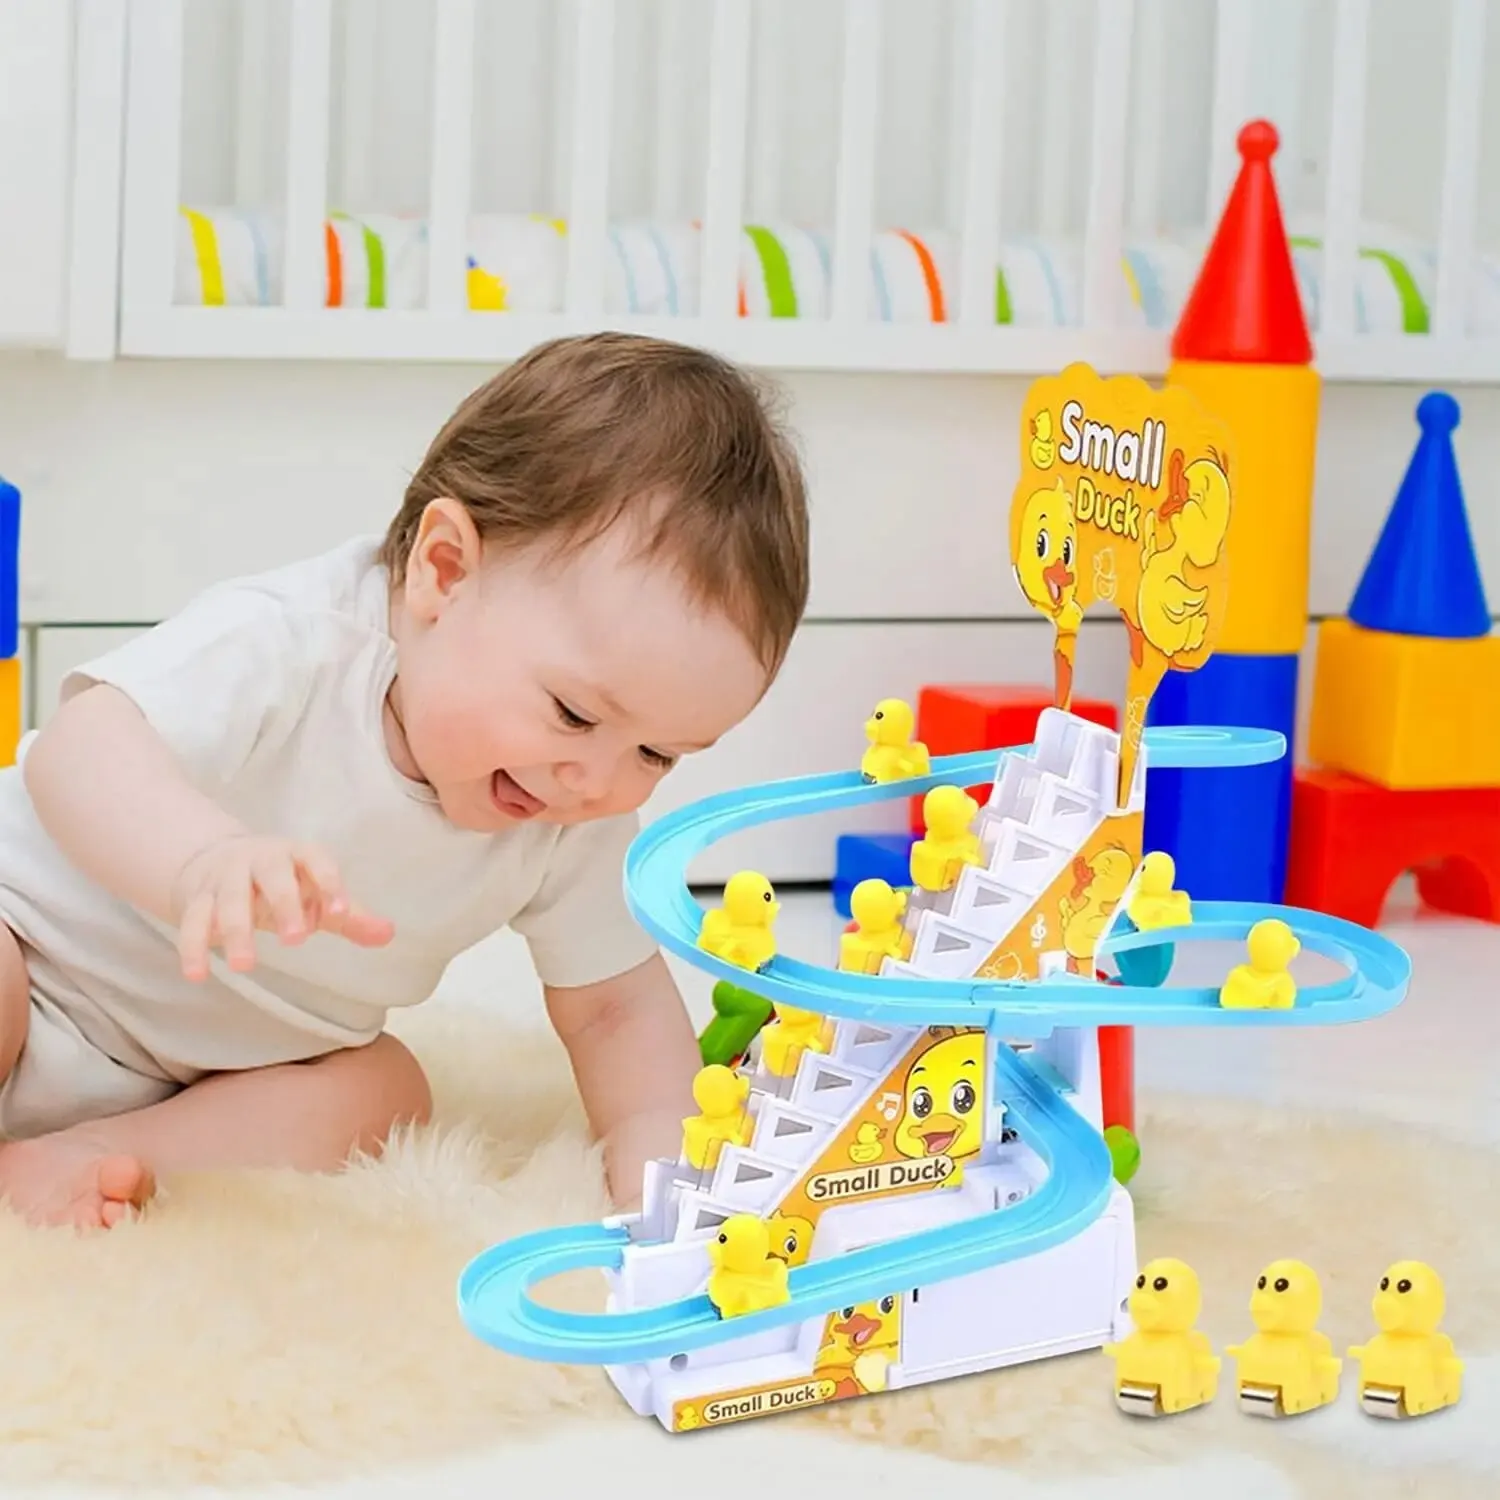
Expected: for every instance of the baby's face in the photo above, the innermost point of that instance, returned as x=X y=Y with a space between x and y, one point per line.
x=558 y=690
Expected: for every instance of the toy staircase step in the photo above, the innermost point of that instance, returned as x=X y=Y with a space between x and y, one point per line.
x=943 y=950
x=753 y=1183
x=1085 y=755
x=786 y=1133
x=988 y=906
x=870 y=1046
x=1048 y=805
x=826 y=1086
x=699 y=1215
x=1022 y=859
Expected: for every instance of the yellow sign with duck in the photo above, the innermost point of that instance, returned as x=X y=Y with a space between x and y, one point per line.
x=858 y=1347
x=919 y=1125
x=1123 y=499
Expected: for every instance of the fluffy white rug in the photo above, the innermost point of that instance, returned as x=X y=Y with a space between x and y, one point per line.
x=273 y=1327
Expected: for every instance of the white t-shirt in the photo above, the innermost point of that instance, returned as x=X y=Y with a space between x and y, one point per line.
x=270 y=690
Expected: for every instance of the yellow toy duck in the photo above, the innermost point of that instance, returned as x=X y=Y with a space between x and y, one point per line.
x=948 y=845
x=793 y=1032
x=1286 y=1366
x=1166 y=1365
x=746 y=1277
x=1263 y=983
x=1155 y=904
x=740 y=932
x=893 y=754
x=721 y=1095
x=1408 y=1369
x=877 y=910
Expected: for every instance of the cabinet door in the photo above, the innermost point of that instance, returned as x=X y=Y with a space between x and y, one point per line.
x=35 y=107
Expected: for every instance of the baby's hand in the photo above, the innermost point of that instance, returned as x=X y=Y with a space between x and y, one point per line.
x=231 y=888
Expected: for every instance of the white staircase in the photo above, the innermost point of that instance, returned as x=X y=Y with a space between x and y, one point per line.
x=1041 y=810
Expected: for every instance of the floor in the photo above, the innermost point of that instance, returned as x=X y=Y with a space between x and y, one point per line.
x=1433 y=1061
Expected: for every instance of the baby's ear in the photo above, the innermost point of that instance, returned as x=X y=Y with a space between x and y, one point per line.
x=448 y=550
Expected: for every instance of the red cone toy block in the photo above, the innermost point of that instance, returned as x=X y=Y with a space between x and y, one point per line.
x=1245 y=307
x=955 y=718
x=1352 y=839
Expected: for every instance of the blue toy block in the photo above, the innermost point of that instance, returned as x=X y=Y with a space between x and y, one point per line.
x=869 y=856
x=1423 y=577
x=1226 y=830
x=10 y=570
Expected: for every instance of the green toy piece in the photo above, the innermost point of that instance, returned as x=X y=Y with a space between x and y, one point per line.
x=1124 y=1150
x=739 y=1016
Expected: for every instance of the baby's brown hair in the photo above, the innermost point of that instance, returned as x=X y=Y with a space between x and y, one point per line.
x=579 y=431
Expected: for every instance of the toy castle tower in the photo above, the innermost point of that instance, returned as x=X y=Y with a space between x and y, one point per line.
x=1242 y=347
x=1405 y=732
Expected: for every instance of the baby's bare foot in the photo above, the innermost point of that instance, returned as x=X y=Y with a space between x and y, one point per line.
x=70 y=1179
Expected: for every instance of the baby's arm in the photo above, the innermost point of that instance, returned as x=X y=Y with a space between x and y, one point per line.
x=120 y=805
x=634 y=1055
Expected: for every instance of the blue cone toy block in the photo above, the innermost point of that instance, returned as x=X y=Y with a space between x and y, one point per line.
x=869 y=856
x=1423 y=577
x=1226 y=830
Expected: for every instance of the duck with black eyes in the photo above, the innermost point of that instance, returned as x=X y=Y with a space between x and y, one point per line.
x=860 y=1344
x=1286 y=1366
x=1408 y=1369
x=1166 y=1365
x=941 y=1096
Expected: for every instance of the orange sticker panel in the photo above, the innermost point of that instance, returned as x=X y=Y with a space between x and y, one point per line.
x=920 y=1123
x=1123 y=500
x=1072 y=914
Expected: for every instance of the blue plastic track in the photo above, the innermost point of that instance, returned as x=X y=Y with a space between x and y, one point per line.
x=492 y=1292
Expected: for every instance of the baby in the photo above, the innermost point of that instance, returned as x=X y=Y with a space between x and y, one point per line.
x=246 y=835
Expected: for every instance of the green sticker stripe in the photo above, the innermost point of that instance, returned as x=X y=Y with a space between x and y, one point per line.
x=777 y=270
x=375 y=259
x=1003 y=310
x=1414 y=314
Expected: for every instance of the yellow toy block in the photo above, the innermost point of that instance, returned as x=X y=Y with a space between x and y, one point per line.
x=1271 y=412
x=10 y=709
x=1409 y=712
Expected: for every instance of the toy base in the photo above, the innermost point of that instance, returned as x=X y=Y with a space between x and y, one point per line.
x=1067 y=1299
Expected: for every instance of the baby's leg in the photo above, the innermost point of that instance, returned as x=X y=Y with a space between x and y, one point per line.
x=310 y=1116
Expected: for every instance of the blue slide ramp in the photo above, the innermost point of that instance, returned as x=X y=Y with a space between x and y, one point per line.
x=493 y=1289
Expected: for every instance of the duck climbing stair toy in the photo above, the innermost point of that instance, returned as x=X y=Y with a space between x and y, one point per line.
x=905 y=1178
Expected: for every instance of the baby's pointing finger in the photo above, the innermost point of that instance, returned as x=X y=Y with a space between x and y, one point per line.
x=366 y=929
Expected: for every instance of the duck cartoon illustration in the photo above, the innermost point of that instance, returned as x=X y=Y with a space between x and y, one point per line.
x=1043 y=449
x=1085 y=910
x=1286 y=1366
x=790 y=1237
x=1408 y=1369
x=1166 y=1365
x=1046 y=567
x=860 y=1344
x=866 y=1147
x=1171 y=613
x=942 y=1100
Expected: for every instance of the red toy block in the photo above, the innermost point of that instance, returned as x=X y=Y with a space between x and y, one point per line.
x=1117 y=1076
x=1351 y=840
x=955 y=718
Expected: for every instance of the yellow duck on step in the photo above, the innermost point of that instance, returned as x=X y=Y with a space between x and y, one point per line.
x=948 y=845
x=877 y=910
